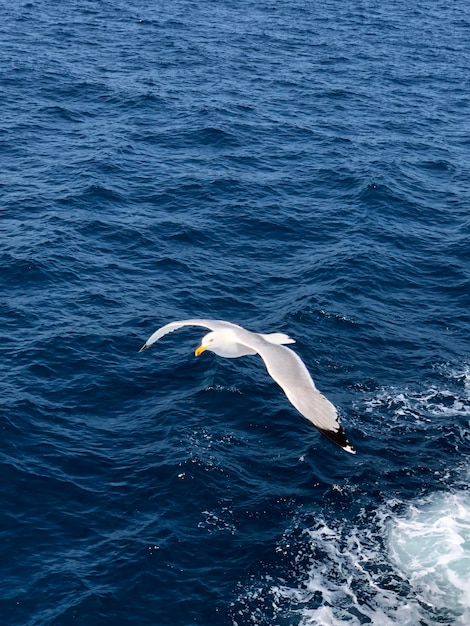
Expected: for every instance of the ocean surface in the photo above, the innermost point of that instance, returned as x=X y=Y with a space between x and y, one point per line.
x=291 y=166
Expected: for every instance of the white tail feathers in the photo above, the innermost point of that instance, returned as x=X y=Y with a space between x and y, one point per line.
x=278 y=338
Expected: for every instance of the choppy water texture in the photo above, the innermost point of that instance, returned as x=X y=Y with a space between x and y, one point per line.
x=293 y=166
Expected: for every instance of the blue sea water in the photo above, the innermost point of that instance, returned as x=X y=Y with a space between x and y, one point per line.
x=295 y=166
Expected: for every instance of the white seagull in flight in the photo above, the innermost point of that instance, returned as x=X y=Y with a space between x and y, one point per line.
x=283 y=365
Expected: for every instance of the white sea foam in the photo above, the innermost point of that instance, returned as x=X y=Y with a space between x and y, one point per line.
x=431 y=547
x=400 y=569
x=403 y=406
x=431 y=402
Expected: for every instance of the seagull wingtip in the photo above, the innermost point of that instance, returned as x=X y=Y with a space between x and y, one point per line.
x=144 y=347
x=339 y=438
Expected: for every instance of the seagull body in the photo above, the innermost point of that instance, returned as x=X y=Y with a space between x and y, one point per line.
x=284 y=366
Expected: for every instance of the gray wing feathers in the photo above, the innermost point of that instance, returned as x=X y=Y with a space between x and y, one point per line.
x=290 y=373
x=169 y=328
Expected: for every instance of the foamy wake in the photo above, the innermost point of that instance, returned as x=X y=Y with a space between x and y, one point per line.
x=407 y=569
x=431 y=547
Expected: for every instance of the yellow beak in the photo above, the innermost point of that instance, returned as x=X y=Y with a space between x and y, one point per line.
x=200 y=350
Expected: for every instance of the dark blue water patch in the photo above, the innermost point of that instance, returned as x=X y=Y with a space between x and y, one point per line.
x=63 y=114
x=24 y=270
x=97 y=197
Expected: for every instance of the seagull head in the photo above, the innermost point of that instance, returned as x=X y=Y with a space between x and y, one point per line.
x=223 y=343
x=215 y=339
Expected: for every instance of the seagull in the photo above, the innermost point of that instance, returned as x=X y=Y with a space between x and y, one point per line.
x=283 y=365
